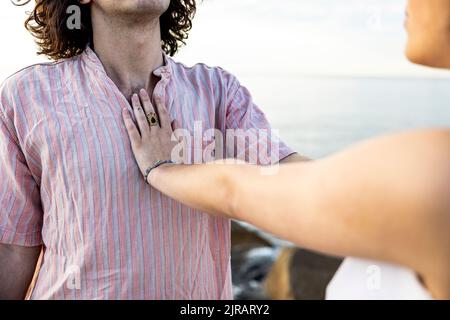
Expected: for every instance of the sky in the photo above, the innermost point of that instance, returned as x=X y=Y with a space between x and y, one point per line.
x=357 y=38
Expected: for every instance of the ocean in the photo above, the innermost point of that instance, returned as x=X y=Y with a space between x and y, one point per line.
x=318 y=116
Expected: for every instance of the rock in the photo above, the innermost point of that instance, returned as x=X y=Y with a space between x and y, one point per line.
x=301 y=275
x=266 y=268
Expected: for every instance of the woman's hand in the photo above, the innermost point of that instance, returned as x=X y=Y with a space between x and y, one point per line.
x=152 y=142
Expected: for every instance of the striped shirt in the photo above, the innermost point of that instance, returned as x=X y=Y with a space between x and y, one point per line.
x=69 y=181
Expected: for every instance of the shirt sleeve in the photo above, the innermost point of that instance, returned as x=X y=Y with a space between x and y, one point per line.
x=20 y=204
x=249 y=136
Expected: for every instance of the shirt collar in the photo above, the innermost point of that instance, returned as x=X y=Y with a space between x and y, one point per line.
x=93 y=61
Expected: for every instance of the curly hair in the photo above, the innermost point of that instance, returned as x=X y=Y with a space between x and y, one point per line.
x=47 y=22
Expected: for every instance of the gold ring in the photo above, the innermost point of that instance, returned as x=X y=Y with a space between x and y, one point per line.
x=152 y=119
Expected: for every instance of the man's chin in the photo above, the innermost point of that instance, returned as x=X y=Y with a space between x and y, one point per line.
x=144 y=7
x=133 y=8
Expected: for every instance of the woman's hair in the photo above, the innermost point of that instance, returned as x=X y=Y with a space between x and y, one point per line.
x=48 y=25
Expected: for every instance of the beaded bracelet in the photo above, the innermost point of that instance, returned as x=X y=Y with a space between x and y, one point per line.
x=154 y=166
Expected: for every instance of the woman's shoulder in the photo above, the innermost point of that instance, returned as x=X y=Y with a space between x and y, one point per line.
x=426 y=153
x=434 y=135
x=429 y=147
x=416 y=147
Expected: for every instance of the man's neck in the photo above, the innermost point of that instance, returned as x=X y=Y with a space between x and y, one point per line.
x=129 y=52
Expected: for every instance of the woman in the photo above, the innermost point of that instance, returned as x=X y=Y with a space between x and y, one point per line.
x=387 y=199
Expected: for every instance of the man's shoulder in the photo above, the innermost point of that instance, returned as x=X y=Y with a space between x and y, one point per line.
x=36 y=77
x=195 y=68
x=202 y=72
x=41 y=72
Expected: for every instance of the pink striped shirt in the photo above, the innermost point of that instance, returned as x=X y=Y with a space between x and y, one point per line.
x=69 y=181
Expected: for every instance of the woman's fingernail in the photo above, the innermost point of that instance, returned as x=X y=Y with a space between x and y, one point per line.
x=142 y=91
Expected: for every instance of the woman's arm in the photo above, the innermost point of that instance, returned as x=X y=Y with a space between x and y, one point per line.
x=358 y=194
x=386 y=199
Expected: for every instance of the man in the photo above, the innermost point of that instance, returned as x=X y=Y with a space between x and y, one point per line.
x=70 y=184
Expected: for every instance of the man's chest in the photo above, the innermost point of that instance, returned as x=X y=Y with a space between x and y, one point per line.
x=82 y=131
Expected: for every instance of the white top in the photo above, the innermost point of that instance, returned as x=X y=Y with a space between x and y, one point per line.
x=358 y=279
